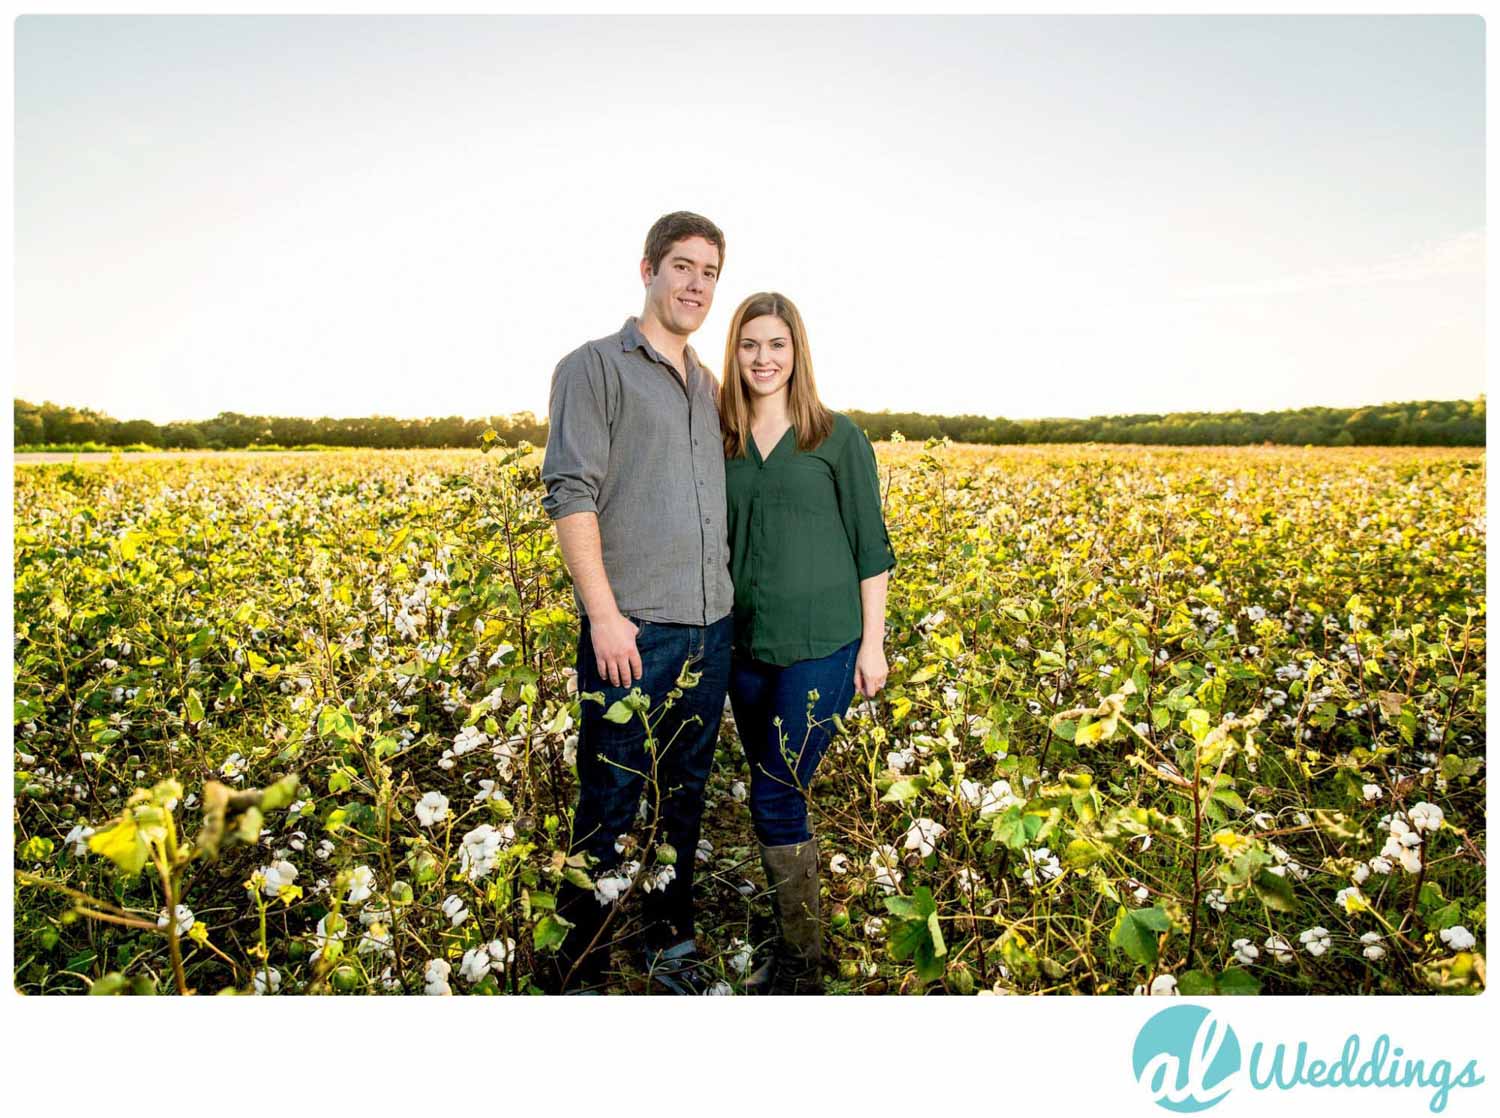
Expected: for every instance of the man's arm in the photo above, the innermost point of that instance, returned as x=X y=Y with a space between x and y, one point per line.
x=611 y=632
x=573 y=468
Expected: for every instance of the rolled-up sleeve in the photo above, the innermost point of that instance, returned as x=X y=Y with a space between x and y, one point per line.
x=577 y=456
x=857 y=482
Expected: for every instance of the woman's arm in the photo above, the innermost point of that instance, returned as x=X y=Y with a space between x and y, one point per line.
x=870 y=669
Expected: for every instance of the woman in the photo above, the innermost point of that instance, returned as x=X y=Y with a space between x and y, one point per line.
x=809 y=558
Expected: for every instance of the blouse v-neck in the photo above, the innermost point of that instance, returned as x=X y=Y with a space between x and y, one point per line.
x=762 y=459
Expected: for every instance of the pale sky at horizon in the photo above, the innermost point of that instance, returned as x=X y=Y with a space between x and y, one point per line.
x=1015 y=216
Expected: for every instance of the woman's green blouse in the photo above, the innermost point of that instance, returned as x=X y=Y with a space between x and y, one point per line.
x=805 y=527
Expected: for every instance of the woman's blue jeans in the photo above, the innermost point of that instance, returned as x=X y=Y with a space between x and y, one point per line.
x=785 y=733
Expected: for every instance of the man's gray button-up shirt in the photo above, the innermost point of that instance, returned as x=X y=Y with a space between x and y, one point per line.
x=631 y=443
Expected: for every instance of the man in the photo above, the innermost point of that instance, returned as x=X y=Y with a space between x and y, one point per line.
x=634 y=471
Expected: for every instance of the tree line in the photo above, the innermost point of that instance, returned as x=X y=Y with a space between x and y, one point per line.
x=1419 y=423
x=49 y=424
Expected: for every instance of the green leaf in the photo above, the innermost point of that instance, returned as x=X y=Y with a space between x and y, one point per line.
x=907 y=936
x=1197 y=723
x=939 y=948
x=280 y=794
x=1136 y=931
x=200 y=641
x=899 y=792
x=549 y=932
x=250 y=824
x=110 y=985
x=194 y=706
x=27 y=710
x=1010 y=827
x=900 y=906
x=1082 y=852
x=1236 y=982
x=38 y=848
x=123 y=844
x=1274 y=891
x=336 y=722
x=1445 y=917
x=1096 y=732
x=923 y=674
x=618 y=712
x=1195 y=984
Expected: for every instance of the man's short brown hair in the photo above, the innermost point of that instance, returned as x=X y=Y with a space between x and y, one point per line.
x=678 y=226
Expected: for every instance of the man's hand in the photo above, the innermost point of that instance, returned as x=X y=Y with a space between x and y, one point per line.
x=615 y=653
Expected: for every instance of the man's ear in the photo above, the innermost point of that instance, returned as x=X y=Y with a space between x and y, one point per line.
x=646 y=271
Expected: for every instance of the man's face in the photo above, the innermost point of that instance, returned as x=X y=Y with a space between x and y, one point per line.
x=680 y=292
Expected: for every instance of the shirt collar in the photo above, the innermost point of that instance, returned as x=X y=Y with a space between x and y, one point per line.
x=632 y=338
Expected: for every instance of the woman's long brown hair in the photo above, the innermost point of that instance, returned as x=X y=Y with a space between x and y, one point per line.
x=810 y=419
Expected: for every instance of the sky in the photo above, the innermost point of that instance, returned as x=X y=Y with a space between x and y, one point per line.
x=1005 y=215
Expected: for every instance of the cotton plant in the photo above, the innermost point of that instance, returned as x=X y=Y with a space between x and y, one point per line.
x=331 y=930
x=454 y=909
x=993 y=800
x=1315 y=940
x=609 y=888
x=1425 y=816
x=431 y=809
x=265 y=980
x=361 y=884
x=375 y=940
x=658 y=879
x=1041 y=866
x=78 y=839
x=480 y=852
x=1457 y=937
x=185 y=919
x=1162 y=986
x=968 y=881
x=1403 y=844
x=886 y=862
x=922 y=836
x=479 y=961
x=435 y=978
x=1279 y=949
x=1351 y=900
x=276 y=877
x=739 y=955
x=467 y=740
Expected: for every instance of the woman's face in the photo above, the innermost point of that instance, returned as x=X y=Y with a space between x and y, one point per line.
x=764 y=354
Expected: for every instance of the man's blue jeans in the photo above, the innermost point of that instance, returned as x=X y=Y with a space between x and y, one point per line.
x=782 y=758
x=615 y=767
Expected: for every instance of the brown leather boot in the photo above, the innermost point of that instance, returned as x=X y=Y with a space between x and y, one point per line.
x=796 y=964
